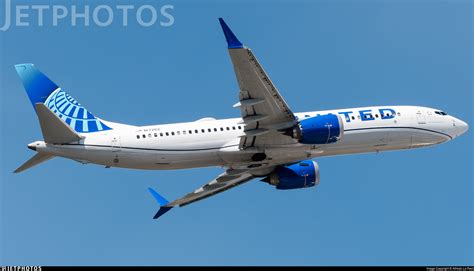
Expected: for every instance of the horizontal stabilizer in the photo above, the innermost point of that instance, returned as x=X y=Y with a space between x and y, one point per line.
x=35 y=160
x=54 y=129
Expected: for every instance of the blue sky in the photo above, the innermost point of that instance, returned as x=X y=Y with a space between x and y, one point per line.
x=396 y=208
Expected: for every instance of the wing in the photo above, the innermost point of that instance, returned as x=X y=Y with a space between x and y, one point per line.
x=220 y=184
x=264 y=111
x=223 y=182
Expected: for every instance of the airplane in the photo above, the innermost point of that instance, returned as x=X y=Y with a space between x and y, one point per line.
x=268 y=141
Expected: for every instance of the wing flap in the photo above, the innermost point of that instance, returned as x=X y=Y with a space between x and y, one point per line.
x=248 y=102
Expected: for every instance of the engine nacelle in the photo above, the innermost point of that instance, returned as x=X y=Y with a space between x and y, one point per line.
x=322 y=129
x=299 y=175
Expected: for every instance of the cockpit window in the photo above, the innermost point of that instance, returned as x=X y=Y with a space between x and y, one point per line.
x=441 y=113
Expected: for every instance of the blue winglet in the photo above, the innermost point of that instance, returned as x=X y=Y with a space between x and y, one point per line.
x=232 y=41
x=161 y=201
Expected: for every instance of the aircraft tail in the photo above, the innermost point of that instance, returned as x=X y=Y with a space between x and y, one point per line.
x=41 y=90
x=62 y=119
x=55 y=131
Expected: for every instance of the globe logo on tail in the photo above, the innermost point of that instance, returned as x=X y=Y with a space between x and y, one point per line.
x=75 y=115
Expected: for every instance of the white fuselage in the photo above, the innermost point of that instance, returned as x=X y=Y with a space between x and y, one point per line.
x=210 y=142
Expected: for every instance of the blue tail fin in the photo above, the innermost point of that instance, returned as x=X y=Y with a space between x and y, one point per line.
x=41 y=89
x=161 y=201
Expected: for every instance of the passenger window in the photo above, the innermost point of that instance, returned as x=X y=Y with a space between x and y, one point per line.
x=233 y=127
x=215 y=129
x=209 y=130
x=167 y=134
x=138 y=136
x=178 y=132
x=398 y=114
x=156 y=135
x=172 y=133
x=222 y=129
x=203 y=131
x=353 y=118
x=227 y=129
x=190 y=132
x=376 y=115
x=238 y=127
x=196 y=131
x=144 y=136
x=184 y=132
x=161 y=134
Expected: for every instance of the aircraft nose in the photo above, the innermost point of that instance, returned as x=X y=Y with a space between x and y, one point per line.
x=460 y=126
x=463 y=127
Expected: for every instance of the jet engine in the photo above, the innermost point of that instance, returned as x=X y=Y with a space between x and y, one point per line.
x=322 y=129
x=299 y=175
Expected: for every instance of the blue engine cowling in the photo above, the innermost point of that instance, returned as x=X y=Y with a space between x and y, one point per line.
x=322 y=129
x=299 y=175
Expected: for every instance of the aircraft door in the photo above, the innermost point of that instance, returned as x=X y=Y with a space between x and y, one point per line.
x=116 y=147
x=115 y=143
x=420 y=117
